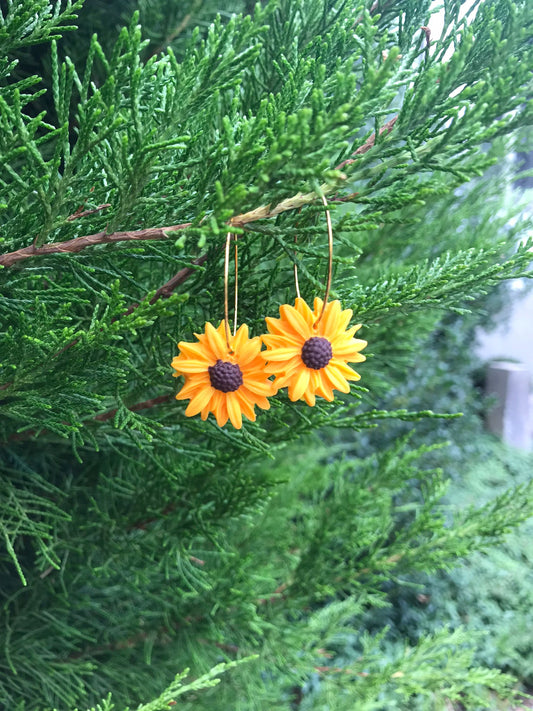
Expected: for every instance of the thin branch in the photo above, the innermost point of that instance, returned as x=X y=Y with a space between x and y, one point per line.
x=427 y=34
x=79 y=243
x=142 y=525
x=264 y=212
x=162 y=293
x=179 y=29
x=374 y=7
x=83 y=213
x=166 y=290
x=138 y=406
x=145 y=405
x=369 y=143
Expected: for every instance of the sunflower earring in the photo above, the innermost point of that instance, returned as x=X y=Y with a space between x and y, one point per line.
x=224 y=372
x=308 y=350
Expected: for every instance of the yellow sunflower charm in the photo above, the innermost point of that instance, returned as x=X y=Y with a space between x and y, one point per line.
x=225 y=376
x=308 y=351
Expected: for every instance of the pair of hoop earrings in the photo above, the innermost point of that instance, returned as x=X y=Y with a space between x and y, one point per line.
x=307 y=351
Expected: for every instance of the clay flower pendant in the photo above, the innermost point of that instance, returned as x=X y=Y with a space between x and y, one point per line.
x=311 y=358
x=228 y=383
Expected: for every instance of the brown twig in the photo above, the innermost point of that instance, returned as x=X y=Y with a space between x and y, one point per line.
x=261 y=213
x=276 y=595
x=179 y=29
x=141 y=525
x=162 y=293
x=427 y=34
x=84 y=213
x=138 y=406
x=369 y=143
x=264 y=212
x=373 y=8
x=16 y=437
x=79 y=243
x=140 y=637
x=166 y=290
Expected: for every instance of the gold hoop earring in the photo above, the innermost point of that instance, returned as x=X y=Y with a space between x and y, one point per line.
x=224 y=372
x=308 y=350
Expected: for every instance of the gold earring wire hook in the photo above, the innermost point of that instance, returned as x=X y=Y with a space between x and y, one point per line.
x=330 y=261
x=296 y=284
x=330 y=265
x=230 y=237
x=295 y=266
x=236 y=303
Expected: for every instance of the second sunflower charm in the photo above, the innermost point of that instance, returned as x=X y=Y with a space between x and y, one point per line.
x=308 y=350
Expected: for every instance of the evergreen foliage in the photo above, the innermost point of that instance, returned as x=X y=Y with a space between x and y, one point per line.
x=490 y=593
x=138 y=542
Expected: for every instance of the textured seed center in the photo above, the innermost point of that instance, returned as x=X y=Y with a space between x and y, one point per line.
x=224 y=376
x=316 y=352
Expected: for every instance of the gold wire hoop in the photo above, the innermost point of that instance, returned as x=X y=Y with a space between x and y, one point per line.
x=330 y=261
x=295 y=266
x=229 y=238
x=330 y=264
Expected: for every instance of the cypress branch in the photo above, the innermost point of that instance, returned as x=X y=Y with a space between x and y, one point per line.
x=260 y=213
x=137 y=540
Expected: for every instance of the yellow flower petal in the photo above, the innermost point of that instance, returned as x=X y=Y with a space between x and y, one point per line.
x=240 y=338
x=286 y=338
x=317 y=306
x=350 y=351
x=199 y=401
x=344 y=369
x=275 y=325
x=336 y=379
x=282 y=353
x=282 y=380
x=324 y=389
x=303 y=309
x=258 y=400
x=299 y=384
x=344 y=337
x=191 y=387
x=331 y=318
x=288 y=367
x=192 y=350
x=221 y=413
x=280 y=342
x=295 y=320
x=234 y=410
x=246 y=408
x=345 y=319
x=190 y=366
x=216 y=342
x=258 y=387
x=248 y=351
x=309 y=397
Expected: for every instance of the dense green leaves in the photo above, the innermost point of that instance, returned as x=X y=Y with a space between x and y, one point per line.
x=137 y=541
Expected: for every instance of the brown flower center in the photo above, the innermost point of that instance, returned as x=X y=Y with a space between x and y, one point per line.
x=317 y=352
x=225 y=376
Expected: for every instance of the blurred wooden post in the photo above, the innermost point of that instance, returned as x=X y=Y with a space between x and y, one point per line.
x=509 y=417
